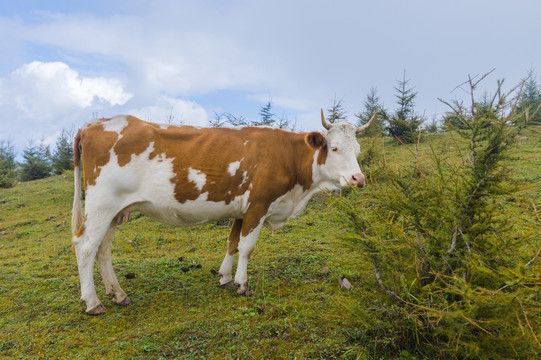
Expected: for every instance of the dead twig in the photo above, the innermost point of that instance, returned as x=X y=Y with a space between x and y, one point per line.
x=453 y=241
x=528 y=321
x=390 y=292
x=533 y=259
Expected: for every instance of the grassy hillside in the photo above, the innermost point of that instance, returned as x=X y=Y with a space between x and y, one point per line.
x=178 y=309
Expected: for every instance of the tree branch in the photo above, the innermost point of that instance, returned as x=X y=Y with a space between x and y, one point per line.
x=391 y=293
x=453 y=242
x=533 y=259
x=527 y=321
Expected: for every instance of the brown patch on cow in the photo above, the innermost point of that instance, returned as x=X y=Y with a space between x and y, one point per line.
x=136 y=138
x=81 y=230
x=234 y=237
x=322 y=156
x=96 y=144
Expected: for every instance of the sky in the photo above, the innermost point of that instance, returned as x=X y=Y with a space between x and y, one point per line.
x=65 y=62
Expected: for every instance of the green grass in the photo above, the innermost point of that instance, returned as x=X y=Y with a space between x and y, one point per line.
x=297 y=311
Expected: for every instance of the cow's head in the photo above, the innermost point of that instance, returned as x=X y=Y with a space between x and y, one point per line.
x=336 y=165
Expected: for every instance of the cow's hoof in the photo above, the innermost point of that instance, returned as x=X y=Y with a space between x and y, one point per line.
x=227 y=285
x=96 y=310
x=123 y=302
x=245 y=290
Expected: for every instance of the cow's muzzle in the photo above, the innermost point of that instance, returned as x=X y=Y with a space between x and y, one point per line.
x=357 y=180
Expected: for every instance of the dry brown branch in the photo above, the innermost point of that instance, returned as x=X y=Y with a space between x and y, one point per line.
x=474 y=323
x=528 y=321
x=482 y=77
x=520 y=324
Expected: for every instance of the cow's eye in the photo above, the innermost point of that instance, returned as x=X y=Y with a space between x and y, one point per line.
x=334 y=149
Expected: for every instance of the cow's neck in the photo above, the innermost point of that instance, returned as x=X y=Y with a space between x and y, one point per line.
x=306 y=163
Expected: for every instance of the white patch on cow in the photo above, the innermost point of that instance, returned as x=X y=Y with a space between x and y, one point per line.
x=144 y=184
x=197 y=177
x=244 y=179
x=201 y=210
x=233 y=167
x=243 y=201
x=246 y=142
x=288 y=206
x=138 y=181
x=116 y=124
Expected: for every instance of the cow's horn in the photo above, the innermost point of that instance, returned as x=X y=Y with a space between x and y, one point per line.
x=365 y=126
x=325 y=124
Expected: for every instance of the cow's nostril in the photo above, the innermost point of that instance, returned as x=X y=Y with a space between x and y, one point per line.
x=357 y=180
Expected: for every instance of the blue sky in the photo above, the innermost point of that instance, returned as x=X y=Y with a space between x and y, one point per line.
x=64 y=62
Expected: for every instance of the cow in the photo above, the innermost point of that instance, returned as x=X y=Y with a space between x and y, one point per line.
x=185 y=175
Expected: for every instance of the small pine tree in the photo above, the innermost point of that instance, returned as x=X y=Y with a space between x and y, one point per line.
x=432 y=127
x=372 y=107
x=452 y=121
x=62 y=158
x=530 y=101
x=37 y=162
x=336 y=113
x=267 y=117
x=458 y=277
x=7 y=165
x=404 y=124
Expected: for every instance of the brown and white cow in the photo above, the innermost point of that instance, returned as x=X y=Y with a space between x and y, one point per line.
x=187 y=175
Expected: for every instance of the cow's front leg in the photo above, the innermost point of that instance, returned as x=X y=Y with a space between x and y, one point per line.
x=226 y=269
x=247 y=241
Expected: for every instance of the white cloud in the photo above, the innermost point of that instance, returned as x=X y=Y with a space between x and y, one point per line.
x=39 y=98
x=179 y=57
x=174 y=111
x=44 y=89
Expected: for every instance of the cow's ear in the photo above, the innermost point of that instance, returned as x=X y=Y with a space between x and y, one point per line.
x=315 y=139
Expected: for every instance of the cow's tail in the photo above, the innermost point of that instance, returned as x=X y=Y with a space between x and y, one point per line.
x=77 y=210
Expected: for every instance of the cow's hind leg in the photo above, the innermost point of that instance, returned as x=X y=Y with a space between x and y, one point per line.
x=226 y=269
x=86 y=243
x=103 y=259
